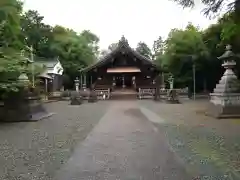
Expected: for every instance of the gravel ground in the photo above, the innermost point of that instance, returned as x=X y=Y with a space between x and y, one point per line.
x=210 y=147
x=35 y=150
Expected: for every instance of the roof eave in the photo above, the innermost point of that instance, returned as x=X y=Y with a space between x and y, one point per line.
x=107 y=56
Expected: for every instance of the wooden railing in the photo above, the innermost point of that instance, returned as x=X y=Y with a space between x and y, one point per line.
x=149 y=92
x=144 y=93
x=103 y=94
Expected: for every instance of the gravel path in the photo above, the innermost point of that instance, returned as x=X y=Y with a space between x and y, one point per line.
x=35 y=150
x=123 y=146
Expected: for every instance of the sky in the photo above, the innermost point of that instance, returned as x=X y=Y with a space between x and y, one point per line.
x=137 y=20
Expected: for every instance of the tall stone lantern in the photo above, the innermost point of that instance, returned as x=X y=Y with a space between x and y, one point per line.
x=225 y=99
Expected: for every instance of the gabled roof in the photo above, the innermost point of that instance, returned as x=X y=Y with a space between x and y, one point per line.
x=45 y=75
x=122 y=45
x=49 y=63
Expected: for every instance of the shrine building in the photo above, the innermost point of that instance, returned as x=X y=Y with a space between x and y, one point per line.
x=122 y=69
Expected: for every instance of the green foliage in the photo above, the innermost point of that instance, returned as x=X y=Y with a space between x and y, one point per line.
x=177 y=54
x=158 y=47
x=74 y=51
x=144 y=50
x=190 y=46
x=19 y=30
x=214 y=6
x=12 y=65
x=230 y=29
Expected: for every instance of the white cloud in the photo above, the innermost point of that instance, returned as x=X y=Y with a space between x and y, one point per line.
x=142 y=20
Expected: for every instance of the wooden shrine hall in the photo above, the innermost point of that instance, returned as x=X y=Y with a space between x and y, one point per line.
x=121 y=71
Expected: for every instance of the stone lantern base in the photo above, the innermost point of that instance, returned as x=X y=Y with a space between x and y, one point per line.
x=172 y=97
x=224 y=105
x=23 y=107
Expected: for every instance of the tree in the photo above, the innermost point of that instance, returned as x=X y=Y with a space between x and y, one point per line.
x=92 y=40
x=158 y=47
x=19 y=30
x=183 y=49
x=9 y=21
x=104 y=52
x=144 y=50
x=112 y=46
x=214 y=6
x=74 y=50
x=35 y=33
x=9 y=11
x=12 y=65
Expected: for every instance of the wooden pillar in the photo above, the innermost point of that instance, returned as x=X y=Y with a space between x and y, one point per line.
x=163 y=81
x=46 y=89
x=157 y=88
x=81 y=81
x=123 y=82
x=46 y=85
x=91 y=81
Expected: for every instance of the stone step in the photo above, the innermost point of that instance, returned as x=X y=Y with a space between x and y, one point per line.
x=123 y=96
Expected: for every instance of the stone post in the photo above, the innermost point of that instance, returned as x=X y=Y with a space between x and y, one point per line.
x=76 y=81
x=84 y=82
x=171 y=81
x=172 y=96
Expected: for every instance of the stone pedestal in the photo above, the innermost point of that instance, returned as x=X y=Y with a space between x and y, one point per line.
x=23 y=107
x=172 y=97
x=76 y=98
x=224 y=105
x=225 y=99
x=84 y=93
x=92 y=97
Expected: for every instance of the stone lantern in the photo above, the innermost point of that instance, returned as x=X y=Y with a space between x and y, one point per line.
x=76 y=81
x=171 y=81
x=23 y=79
x=172 y=96
x=225 y=99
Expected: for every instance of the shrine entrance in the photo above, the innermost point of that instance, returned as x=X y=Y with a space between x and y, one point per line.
x=124 y=81
x=124 y=77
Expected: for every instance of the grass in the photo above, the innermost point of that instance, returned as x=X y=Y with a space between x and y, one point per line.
x=236 y=121
x=220 y=157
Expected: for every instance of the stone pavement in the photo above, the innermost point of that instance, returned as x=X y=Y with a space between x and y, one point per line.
x=124 y=145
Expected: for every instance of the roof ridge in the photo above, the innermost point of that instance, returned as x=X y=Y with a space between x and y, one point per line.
x=122 y=43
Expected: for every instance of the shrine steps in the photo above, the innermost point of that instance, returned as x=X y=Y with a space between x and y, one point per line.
x=124 y=94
